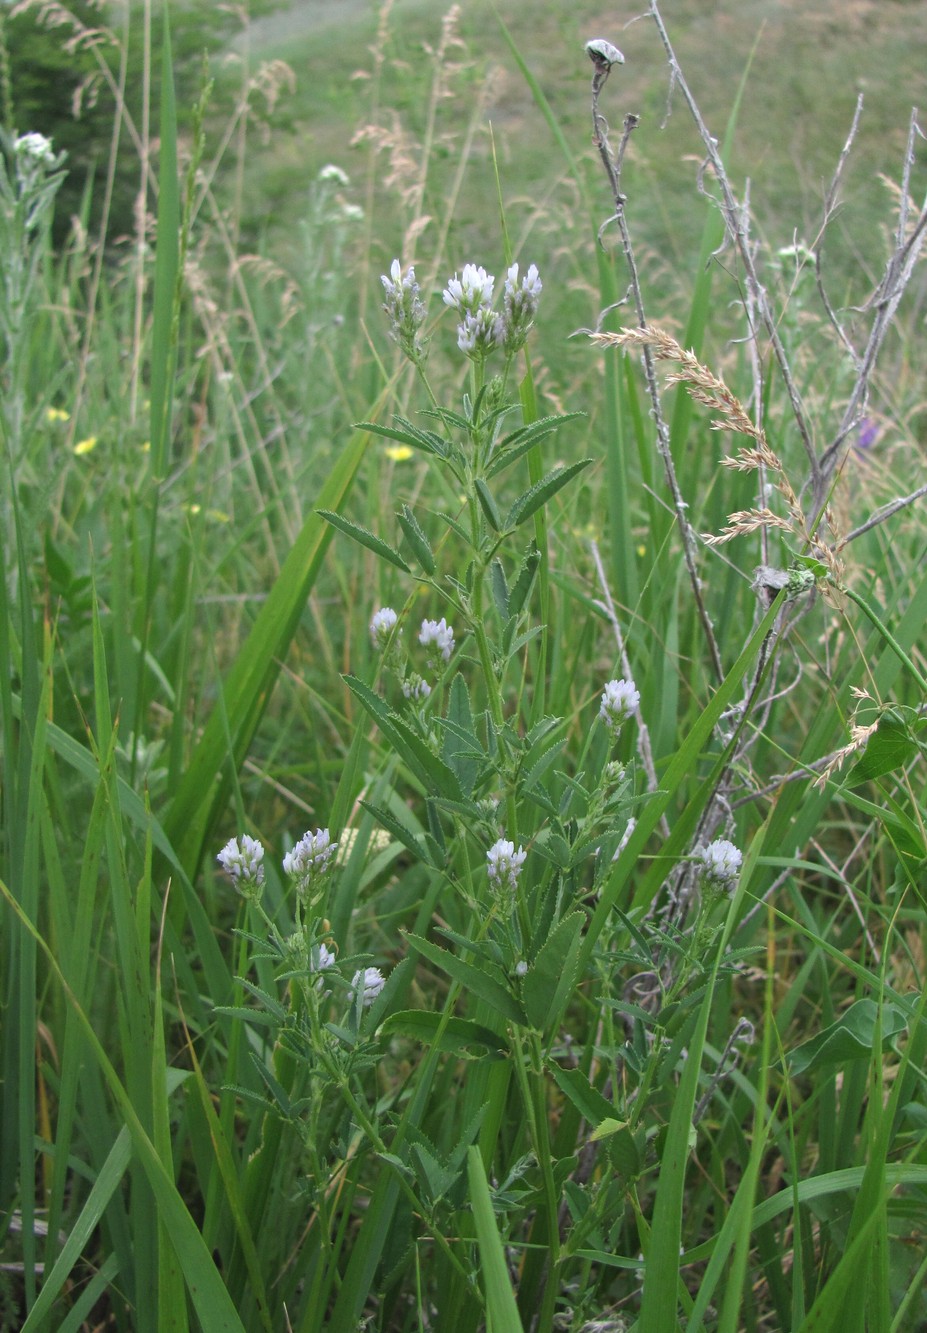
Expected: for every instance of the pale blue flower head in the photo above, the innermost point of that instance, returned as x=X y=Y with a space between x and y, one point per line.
x=370 y=981
x=309 y=862
x=242 y=861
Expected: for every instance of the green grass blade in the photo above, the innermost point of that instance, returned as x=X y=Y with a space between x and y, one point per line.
x=204 y=1284
x=246 y=689
x=501 y=1310
x=107 y=1181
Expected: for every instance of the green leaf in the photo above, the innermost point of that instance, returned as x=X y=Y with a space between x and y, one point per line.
x=479 y=981
x=457 y=1036
x=500 y=1299
x=890 y=747
x=500 y=589
x=537 y=495
x=425 y=440
x=418 y=542
x=513 y=446
x=524 y=580
x=850 y=1038
x=365 y=538
x=488 y=504
x=413 y=841
x=550 y=978
x=201 y=794
x=431 y=770
x=587 y=1099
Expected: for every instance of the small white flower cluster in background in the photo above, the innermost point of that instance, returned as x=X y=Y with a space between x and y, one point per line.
x=382 y=625
x=720 y=864
x=620 y=700
x=481 y=328
x=35 y=147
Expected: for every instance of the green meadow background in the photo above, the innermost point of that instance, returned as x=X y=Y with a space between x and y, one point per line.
x=680 y=1113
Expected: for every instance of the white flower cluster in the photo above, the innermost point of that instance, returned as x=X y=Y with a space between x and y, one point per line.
x=35 y=147
x=481 y=328
x=370 y=981
x=243 y=863
x=381 y=627
x=504 y=865
x=406 y=310
x=720 y=864
x=620 y=700
x=309 y=861
x=438 y=636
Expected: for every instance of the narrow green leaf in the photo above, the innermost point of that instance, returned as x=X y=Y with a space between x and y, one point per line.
x=538 y=495
x=202 y=792
x=106 y=1183
x=590 y=1103
x=488 y=504
x=417 y=540
x=413 y=841
x=208 y=1293
x=365 y=538
x=478 y=981
x=428 y=767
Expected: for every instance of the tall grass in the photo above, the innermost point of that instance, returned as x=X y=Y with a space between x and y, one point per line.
x=601 y=1015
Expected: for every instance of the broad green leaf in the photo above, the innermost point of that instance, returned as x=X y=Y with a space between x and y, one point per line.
x=550 y=978
x=455 y=1035
x=889 y=748
x=850 y=1038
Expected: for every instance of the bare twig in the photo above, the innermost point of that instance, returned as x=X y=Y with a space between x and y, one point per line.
x=613 y=170
x=731 y=211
